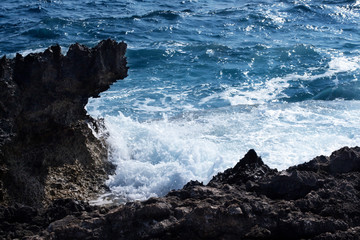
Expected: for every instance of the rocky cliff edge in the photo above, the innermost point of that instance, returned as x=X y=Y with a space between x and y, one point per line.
x=47 y=150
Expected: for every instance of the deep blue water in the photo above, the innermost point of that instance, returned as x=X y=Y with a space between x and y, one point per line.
x=208 y=80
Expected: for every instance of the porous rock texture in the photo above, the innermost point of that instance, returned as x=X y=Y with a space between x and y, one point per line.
x=318 y=200
x=47 y=150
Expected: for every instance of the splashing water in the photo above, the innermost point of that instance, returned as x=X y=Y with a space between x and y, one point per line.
x=209 y=80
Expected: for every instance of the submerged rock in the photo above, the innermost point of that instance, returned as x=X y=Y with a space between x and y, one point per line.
x=47 y=150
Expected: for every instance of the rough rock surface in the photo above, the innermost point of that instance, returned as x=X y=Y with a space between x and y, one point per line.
x=318 y=200
x=47 y=150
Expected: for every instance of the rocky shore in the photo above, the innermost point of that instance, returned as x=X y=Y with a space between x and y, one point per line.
x=319 y=199
x=47 y=150
x=51 y=164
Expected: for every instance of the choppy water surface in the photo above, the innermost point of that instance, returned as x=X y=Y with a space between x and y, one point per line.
x=208 y=80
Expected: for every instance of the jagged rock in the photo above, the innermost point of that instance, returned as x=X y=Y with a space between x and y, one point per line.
x=60 y=158
x=223 y=209
x=345 y=160
x=289 y=185
x=249 y=169
x=47 y=150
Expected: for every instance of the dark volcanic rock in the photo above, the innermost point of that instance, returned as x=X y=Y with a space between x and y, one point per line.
x=47 y=150
x=19 y=221
x=246 y=172
x=345 y=160
x=323 y=203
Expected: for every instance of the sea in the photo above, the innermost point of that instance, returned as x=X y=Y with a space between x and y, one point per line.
x=208 y=80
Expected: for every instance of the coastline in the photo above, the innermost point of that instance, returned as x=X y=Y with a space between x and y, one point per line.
x=51 y=164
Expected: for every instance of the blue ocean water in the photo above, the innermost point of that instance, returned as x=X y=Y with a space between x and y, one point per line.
x=209 y=80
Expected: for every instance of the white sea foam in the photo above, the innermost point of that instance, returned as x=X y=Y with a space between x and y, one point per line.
x=27 y=52
x=64 y=50
x=273 y=89
x=154 y=157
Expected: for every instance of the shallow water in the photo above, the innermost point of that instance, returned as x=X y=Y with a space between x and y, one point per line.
x=209 y=80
